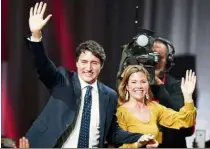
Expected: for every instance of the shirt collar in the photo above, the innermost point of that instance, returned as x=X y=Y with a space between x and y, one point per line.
x=85 y=84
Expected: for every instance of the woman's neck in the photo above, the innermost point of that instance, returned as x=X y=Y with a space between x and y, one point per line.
x=136 y=103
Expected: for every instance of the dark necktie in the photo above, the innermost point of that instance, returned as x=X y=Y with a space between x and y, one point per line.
x=83 y=141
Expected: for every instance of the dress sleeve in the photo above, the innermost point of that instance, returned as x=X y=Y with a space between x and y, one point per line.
x=185 y=118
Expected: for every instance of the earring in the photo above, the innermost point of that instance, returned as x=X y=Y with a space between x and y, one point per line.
x=127 y=96
x=147 y=96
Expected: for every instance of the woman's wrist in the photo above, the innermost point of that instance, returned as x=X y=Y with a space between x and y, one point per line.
x=188 y=97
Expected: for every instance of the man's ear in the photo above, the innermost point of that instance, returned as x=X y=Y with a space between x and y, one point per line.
x=102 y=65
x=77 y=64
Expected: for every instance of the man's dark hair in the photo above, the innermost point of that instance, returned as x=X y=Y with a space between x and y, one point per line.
x=94 y=47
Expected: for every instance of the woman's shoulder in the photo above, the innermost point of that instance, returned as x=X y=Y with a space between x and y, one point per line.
x=121 y=108
x=122 y=113
x=154 y=104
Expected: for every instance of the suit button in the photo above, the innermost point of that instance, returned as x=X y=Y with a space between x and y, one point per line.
x=67 y=125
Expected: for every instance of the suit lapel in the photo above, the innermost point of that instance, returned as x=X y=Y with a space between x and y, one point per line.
x=77 y=89
x=103 y=103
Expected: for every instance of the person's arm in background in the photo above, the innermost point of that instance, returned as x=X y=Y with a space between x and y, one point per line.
x=169 y=95
x=46 y=70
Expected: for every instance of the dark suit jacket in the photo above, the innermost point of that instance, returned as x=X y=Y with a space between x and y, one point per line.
x=58 y=118
x=170 y=95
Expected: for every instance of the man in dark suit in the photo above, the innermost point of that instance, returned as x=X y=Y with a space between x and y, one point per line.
x=81 y=110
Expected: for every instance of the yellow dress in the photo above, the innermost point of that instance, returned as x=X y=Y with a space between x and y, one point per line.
x=158 y=115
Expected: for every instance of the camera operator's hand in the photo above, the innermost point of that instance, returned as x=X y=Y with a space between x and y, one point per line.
x=158 y=81
x=158 y=73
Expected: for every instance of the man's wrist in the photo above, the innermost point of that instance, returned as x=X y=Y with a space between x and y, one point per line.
x=36 y=36
x=138 y=144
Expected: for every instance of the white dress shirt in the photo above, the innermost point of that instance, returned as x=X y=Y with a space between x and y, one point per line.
x=94 y=134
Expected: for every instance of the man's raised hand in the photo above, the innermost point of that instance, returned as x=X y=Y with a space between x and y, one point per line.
x=36 y=20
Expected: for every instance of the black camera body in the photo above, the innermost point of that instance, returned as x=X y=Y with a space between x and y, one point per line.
x=139 y=52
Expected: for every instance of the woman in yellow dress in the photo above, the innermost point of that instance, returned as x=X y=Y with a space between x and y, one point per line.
x=138 y=113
